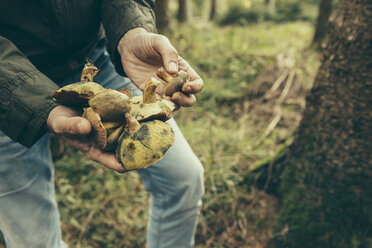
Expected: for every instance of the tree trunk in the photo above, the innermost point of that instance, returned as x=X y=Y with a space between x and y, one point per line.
x=213 y=9
x=161 y=14
x=184 y=11
x=325 y=9
x=270 y=6
x=325 y=188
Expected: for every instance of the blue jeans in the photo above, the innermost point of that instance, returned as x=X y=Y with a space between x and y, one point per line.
x=28 y=210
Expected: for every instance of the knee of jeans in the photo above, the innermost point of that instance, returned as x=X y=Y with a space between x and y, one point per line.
x=199 y=179
x=194 y=186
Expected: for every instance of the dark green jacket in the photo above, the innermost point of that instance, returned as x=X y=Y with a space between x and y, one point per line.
x=43 y=41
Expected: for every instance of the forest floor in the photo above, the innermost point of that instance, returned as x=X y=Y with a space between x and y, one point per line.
x=256 y=79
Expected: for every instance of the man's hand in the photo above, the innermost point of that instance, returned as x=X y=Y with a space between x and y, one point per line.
x=73 y=128
x=142 y=53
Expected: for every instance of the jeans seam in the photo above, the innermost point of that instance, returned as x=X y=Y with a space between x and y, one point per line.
x=163 y=206
x=20 y=189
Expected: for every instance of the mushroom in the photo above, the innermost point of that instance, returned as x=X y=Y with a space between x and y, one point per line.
x=89 y=72
x=174 y=83
x=81 y=92
x=142 y=144
x=102 y=137
x=110 y=105
x=150 y=106
x=78 y=93
x=112 y=138
x=98 y=135
x=137 y=145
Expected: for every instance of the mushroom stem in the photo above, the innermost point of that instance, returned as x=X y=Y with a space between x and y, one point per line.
x=89 y=72
x=133 y=124
x=176 y=83
x=164 y=75
x=149 y=95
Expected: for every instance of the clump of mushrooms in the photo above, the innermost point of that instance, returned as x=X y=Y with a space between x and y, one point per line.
x=132 y=127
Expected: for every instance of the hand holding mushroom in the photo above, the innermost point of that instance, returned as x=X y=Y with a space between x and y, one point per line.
x=142 y=53
x=67 y=122
x=133 y=127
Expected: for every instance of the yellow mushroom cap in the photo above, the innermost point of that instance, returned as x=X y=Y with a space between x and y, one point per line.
x=144 y=146
x=161 y=109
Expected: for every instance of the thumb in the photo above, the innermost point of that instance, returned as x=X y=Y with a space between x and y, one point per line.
x=72 y=125
x=168 y=53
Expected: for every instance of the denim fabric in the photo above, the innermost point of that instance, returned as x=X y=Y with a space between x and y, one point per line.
x=28 y=211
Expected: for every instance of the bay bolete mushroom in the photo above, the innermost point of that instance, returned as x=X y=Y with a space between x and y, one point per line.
x=81 y=92
x=150 y=106
x=142 y=144
x=111 y=105
x=140 y=138
x=98 y=134
x=101 y=136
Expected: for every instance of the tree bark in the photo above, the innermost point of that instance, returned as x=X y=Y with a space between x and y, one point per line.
x=161 y=14
x=213 y=9
x=184 y=11
x=325 y=188
x=325 y=9
x=270 y=6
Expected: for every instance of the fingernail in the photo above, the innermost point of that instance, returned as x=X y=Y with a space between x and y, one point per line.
x=188 y=88
x=173 y=66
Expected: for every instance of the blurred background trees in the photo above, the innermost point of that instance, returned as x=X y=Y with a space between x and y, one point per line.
x=162 y=15
x=243 y=12
x=324 y=12
x=213 y=12
x=184 y=11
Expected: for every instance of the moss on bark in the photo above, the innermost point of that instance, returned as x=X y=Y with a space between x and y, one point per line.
x=325 y=186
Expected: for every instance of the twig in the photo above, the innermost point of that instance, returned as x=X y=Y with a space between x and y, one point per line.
x=269 y=175
x=287 y=87
x=91 y=215
x=277 y=83
x=301 y=102
x=271 y=126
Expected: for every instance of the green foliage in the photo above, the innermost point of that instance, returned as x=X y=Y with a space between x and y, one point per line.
x=246 y=12
x=98 y=207
x=240 y=15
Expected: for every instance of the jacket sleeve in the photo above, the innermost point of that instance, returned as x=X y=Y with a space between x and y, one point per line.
x=120 y=16
x=25 y=96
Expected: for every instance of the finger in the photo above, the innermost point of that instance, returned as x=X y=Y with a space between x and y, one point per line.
x=195 y=84
x=193 y=87
x=184 y=100
x=71 y=125
x=168 y=53
x=107 y=159
x=78 y=144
